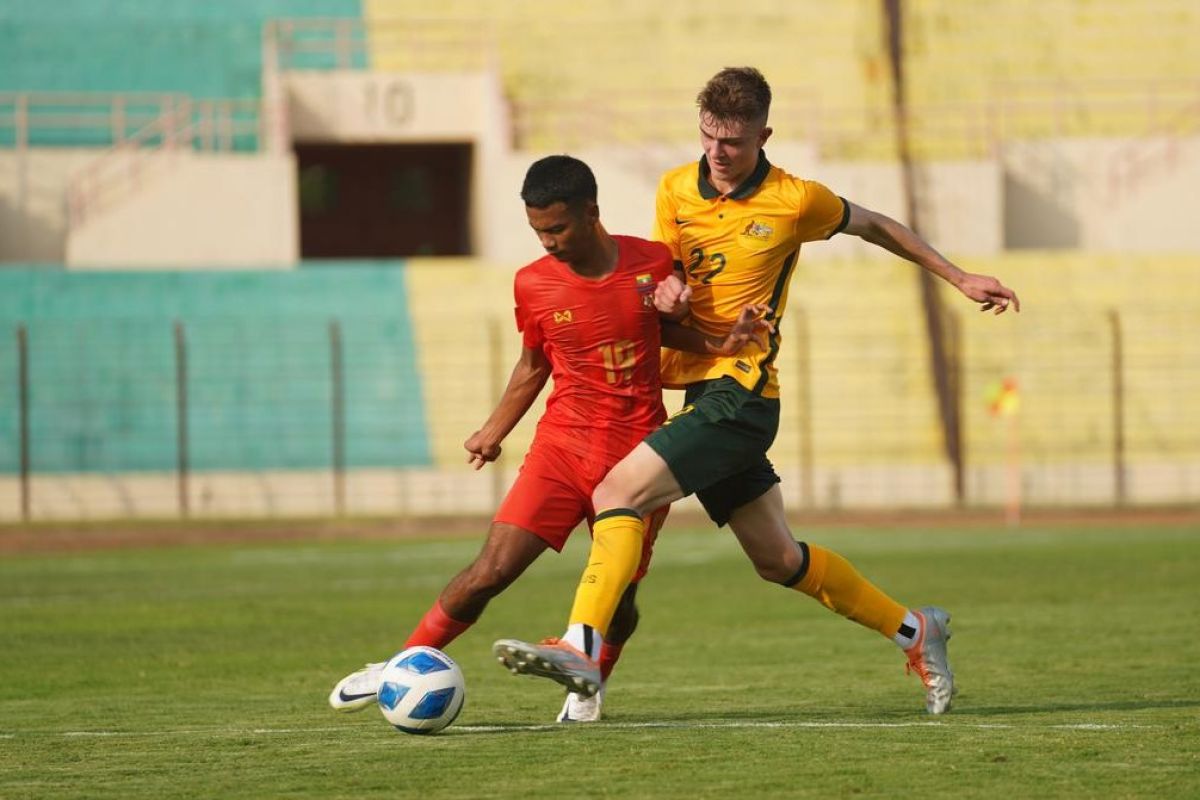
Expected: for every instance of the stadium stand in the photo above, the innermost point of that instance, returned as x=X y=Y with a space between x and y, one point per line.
x=1104 y=357
x=258 y=362
x=79 y=55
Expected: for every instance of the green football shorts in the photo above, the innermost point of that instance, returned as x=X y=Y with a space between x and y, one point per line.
x=716 y=445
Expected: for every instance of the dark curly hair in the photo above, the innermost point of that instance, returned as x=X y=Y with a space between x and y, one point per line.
x=558 y=179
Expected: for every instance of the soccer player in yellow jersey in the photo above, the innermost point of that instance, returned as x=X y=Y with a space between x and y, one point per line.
x=734 y=224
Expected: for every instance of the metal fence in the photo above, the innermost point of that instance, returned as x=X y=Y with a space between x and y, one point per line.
x=319 y=415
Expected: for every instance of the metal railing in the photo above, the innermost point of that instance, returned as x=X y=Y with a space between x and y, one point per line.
x=970 y=129
x=974 y=127
x=182 y=125
x=83 y=119
x=350 y=43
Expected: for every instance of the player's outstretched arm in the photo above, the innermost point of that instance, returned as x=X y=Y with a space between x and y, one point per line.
x=526 y=382
x=883 y=231
x=752 y=325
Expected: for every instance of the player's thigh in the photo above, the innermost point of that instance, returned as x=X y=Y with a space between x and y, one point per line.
x=641 y=480
x=722 y=430
x=546 y=499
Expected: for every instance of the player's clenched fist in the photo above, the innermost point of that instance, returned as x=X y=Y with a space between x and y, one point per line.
x=672 y=297
x=481 y=450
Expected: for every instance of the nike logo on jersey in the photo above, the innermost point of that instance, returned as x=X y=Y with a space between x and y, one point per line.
x=682 y=222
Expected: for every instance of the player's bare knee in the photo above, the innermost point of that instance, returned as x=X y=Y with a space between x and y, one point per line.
x=611 y=494
x=779 y=566
x=489 y=578
x=770 y=571
x=627 y=486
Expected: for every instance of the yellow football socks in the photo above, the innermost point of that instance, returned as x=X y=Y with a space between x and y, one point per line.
x=616 y=550
x=838 y=586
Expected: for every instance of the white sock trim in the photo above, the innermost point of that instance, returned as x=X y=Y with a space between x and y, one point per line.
x=584 y=638
x=913 y=623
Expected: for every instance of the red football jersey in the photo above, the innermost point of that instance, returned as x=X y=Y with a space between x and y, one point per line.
x=602 y=339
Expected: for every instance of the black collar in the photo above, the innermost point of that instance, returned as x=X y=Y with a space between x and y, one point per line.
x=709 y=192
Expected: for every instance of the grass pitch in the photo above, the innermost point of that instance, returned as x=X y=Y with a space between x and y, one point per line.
x=203 y=672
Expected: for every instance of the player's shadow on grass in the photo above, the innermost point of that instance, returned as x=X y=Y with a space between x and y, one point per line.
x=648 y=720
x=815 y=717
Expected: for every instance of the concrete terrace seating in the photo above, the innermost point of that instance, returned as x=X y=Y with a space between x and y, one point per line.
x=195 y=50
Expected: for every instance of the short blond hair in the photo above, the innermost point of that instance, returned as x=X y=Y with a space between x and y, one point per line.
x=736 y=94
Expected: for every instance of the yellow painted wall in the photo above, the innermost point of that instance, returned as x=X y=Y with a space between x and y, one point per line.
x=872 y=401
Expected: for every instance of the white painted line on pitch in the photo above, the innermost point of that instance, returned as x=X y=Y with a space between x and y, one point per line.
x=1097 y=726
x=697 y=726
x=188 y=732
x=723 y=724
x=795 y=725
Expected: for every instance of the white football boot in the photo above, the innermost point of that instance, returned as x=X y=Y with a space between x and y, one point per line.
x=359 y=689
x=577 y=708
x=927 y=657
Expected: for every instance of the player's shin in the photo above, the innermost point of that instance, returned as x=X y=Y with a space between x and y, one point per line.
x=836 y=584
x=609 y=655
x=436 y=629
x=616 y=549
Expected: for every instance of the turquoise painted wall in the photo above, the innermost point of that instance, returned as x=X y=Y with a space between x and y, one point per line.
x=102 y=368
x=206 y=48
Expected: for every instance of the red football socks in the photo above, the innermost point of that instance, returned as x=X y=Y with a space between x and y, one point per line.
x=436 y=629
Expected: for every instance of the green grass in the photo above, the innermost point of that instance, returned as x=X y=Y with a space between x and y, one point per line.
x=202 y=672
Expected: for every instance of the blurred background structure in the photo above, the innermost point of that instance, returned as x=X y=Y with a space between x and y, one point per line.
x=257 y=254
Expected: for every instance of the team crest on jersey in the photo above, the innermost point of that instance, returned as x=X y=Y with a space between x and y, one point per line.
x=645 y=288
x=759 y=230
x=563 y=316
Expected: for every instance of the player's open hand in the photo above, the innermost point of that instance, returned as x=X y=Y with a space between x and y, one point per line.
x=672 y=298
x=481 y=450
x=989 y=293
x=752 y=325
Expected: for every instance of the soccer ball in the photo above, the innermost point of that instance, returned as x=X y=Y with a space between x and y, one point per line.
x=422 y=690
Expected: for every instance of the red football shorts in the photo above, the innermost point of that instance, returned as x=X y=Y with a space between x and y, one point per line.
x=553 y=494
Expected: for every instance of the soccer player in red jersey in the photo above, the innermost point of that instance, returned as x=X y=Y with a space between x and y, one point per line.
x=587 y=315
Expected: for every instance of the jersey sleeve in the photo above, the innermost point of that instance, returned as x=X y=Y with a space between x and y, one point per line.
x=527 y=323
x=821 y=213
x=666 y=230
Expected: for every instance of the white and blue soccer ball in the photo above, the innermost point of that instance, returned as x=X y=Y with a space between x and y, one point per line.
x=422 y=690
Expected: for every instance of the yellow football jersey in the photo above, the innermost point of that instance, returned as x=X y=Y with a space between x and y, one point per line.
x=736 y=249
